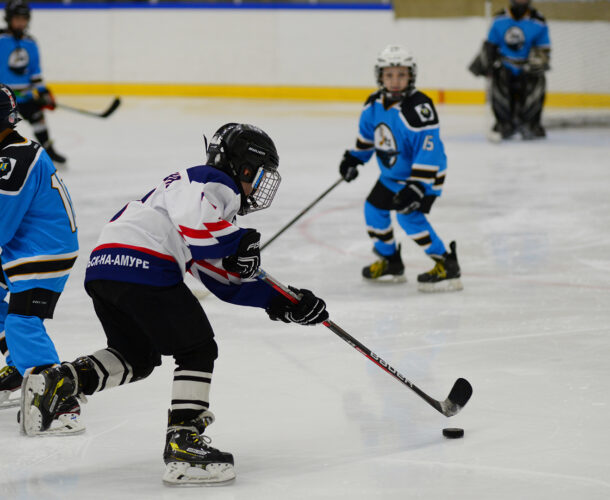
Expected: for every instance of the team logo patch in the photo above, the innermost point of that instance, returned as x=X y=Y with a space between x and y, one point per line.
x=6 y=167
x=514 y=38
x=18 y=60
x=385 y=145
x=425 y=112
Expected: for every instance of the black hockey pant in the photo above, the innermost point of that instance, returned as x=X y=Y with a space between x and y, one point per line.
x=142 y=323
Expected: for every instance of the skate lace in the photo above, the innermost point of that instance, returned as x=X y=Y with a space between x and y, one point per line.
x=378 y=267
x=196 y=438
x=5 y=371
x=438 y=270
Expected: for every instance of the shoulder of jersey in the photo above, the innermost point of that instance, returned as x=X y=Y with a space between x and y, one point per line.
x=372 y=98
x=501 y=13
x=537 y=16
x=419 y=110
x=16 y=160
x=207 y=173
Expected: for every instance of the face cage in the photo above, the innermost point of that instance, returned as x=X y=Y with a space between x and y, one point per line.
x=264 y=187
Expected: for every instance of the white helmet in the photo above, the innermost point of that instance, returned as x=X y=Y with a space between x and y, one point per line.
x=395 y=55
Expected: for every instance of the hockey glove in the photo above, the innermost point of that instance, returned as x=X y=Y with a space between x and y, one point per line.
x=349 y=167
x=409 y=199
x=45 y=99
x=247 y=259
x=310 y=310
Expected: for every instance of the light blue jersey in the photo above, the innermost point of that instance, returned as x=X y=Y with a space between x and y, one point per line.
x=38 y=240
x=406 y=139
x=516 y=37
x=19 y=64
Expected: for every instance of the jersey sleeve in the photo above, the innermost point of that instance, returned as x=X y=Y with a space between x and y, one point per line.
x=494 y=36
x=543 y=40
x=365 y=143
x=199 y=218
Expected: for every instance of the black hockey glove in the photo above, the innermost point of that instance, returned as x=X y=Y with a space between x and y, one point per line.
x=247 y=259
x=310 y=310
x=349 y=167
x=45 y=99
x=409 y=198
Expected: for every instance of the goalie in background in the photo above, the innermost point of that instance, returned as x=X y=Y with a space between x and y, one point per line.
x=516 y=56
x=20 y=70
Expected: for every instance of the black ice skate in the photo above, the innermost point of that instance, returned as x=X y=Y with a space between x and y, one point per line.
x=532 y=131
x=501 y=131
x=190 y=460
x=54 y=155
x=48 y=403
x=10 y=383
x=388 y=269
x=444 y=276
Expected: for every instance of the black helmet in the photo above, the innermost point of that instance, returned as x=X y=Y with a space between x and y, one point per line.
x=16 y=8
x=248 y=155
x=519 y=9
x=9 y=115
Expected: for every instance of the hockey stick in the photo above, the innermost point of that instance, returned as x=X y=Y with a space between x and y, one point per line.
x=105 y=114
x=460 y=392
x=302 y=212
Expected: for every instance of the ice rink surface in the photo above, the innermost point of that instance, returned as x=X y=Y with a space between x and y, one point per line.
x=304 y=414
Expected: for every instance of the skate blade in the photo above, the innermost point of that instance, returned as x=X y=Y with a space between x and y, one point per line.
x=31 y=420
x=494 y=137
x=184 y=474
x=453 y=285
x=387 y=279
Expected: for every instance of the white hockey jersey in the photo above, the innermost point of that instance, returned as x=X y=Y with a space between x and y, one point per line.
x=187 y=223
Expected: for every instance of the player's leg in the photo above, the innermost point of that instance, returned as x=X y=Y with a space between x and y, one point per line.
x=33 y=113
x=10 y=378
x=445 y=275
x=532 y=102
x=502 y=105
x=389 y=266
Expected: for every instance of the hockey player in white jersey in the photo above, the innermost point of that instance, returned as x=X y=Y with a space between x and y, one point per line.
x=135 y=279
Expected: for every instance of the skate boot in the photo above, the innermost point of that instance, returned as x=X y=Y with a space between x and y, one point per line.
x=48 y=397
x=444 y=276
x=188 y=457
x=500 y=132
x=388 y=269
x=54 y=155
x=10 y=383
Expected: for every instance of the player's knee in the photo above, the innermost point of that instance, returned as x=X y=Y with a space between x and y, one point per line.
x=38 y=302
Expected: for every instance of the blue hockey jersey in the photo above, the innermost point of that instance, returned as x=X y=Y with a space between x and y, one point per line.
x=19 y=64
x=406 y=140
x=516 y=37
x=38 y=233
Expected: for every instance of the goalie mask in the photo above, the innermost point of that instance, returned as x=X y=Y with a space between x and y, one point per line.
x=395 y=55
x=248 y=155
x=519 y=8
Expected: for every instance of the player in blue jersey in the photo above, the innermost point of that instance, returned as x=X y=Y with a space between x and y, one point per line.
x=20 y=70
x=135 y=279
x=400 y=125
x=38 y=242
x=516 y=56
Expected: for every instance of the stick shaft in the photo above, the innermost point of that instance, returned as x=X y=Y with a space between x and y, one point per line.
x=113 y=106
x=302 y=212
x=356 y=344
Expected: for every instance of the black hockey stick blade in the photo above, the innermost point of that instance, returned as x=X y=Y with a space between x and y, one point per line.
x=458 y=397
x=105 y=114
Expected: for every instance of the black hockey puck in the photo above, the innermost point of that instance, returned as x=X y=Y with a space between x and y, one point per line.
x=453 y=432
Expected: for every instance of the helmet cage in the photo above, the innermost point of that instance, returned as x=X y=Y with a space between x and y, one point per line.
x=264 y=187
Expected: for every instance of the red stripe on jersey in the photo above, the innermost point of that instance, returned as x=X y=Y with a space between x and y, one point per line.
x=206 y=233
x=139 y=249
x=222 y=272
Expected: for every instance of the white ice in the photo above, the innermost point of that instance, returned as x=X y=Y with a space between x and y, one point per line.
x=305 y=415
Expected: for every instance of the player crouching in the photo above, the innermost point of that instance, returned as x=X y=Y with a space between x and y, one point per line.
x=400 y=125
x=135 y=279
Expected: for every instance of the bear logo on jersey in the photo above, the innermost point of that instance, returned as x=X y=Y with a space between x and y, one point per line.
x=18 y=60
x=6 y=167
x=514 y=38
x=385 y=145
x=425 y=112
